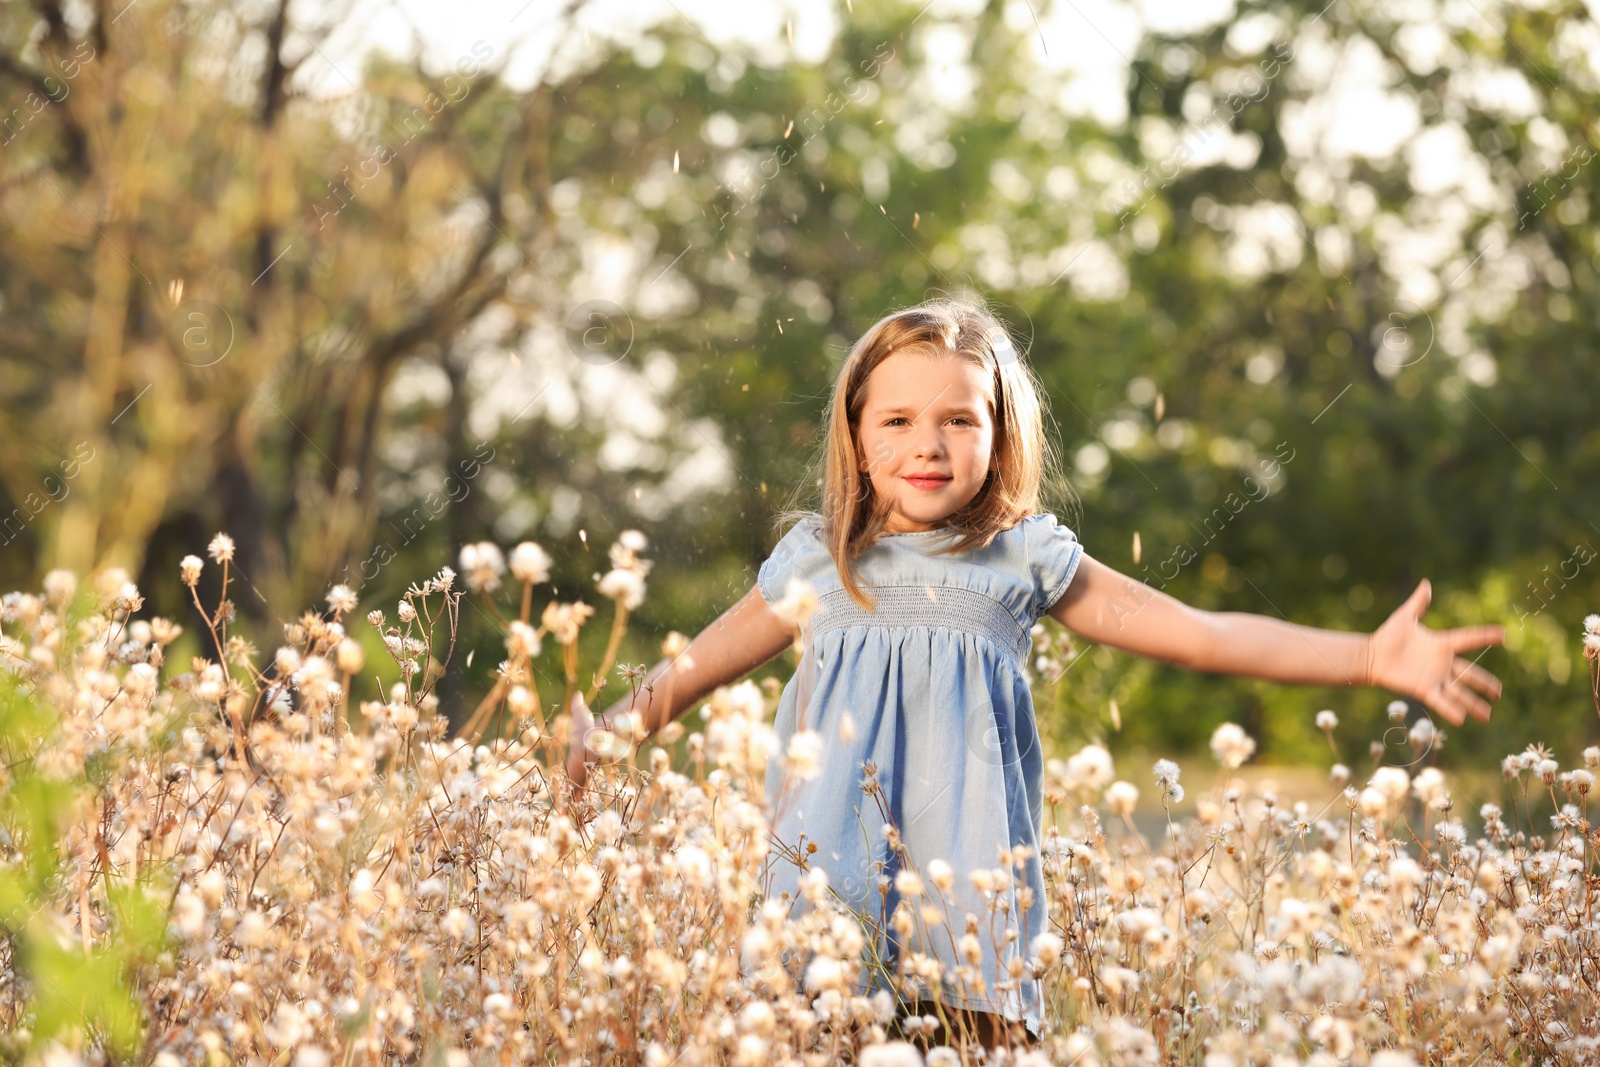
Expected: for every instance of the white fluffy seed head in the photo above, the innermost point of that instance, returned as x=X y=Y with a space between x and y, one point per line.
x=530 y=564
x=1231 y=745
x=1122 y=797
x=1422 y=735
x=221 y=548
x=1373 y=803
x=1047 y=949
x=1090 y=768
x=351 y=657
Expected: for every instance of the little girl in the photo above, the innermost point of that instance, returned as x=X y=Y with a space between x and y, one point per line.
x=930 y=563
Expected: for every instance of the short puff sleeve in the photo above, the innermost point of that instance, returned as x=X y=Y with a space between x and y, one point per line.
x=773 y=577
x=1053 y=555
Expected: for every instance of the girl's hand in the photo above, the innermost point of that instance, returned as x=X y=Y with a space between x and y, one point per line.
x=1409 y=658
x=578 y=755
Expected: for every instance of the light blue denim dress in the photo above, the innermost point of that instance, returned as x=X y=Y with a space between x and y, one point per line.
x=931 y=689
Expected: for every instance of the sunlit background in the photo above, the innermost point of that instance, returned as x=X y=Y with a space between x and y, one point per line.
x=1311 y=288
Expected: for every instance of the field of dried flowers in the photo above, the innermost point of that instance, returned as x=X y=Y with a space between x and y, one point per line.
x=276 y=861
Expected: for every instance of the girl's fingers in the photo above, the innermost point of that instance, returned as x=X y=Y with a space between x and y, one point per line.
x=1452 y=716
x=1475 y=637
x=1462 y=670
x=576 y=756
x=1475 y=704
x=1417 y=602
x=1440 y=700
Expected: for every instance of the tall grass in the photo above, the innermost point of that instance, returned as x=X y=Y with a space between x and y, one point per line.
x=257 y=860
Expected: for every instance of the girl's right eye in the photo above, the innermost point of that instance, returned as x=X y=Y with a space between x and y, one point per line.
x=894 y=420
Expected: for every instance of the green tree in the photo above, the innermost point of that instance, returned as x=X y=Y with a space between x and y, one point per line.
x=682 y=240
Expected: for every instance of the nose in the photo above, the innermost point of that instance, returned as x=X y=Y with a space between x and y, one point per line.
x=930 y=442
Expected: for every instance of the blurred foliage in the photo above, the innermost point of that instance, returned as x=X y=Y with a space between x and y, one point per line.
x=70 y=991
x=1205 y=286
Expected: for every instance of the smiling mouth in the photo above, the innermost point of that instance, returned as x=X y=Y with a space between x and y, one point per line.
x=929 y=483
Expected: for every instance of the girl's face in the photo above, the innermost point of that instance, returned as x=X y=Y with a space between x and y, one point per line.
x=925 y=436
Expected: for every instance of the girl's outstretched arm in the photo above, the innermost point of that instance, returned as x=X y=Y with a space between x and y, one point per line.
x=1402 y=655
x=741 y=639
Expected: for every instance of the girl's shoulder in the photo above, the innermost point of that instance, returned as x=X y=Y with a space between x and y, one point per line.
x=1038 y=523
x=1050 y=552
x=806 y=528
x=797 y=552
x=1032 y=533
x=1043 y=524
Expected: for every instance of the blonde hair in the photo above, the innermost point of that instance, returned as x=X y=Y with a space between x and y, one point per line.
x=1025 y=463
